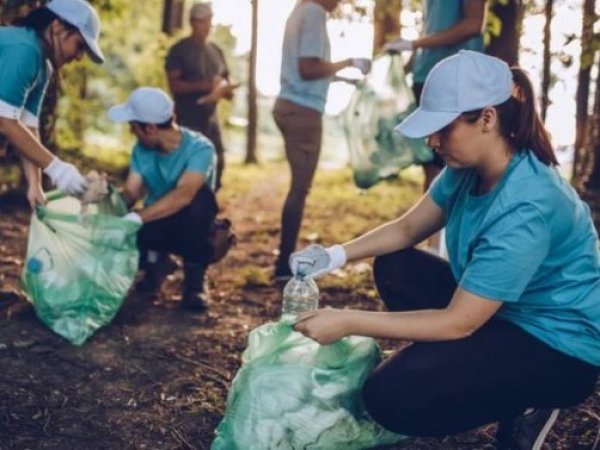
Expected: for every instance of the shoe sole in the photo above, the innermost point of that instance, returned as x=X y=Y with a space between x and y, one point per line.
x=547 y=426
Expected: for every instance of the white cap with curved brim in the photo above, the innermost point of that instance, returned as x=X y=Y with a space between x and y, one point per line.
x=145 y=104
x=82 y=16
x=201 y=10
x=466 y=81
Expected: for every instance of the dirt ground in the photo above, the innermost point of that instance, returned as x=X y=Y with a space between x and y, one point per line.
x=157 y=378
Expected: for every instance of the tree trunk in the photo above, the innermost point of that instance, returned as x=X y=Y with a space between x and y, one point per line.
x=252 y=108
x=386 y=22
x=506 y=45
x=593 y=181
x=546 y=67
x=583 y=90
x=172 y=19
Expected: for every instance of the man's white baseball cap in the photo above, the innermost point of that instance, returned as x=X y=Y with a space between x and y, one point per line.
x=201 y=10
x=82 y=16
x=146 y=105
x=466 y=81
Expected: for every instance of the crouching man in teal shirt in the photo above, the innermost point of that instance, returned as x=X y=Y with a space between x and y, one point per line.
x=173 y=168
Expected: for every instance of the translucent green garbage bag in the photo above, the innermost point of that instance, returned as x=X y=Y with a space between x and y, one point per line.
x=379 y=103
x=79 y=267
x=292 y=393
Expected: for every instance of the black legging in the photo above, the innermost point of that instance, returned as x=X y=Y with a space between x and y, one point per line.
x=184 y=233
x=446 y=387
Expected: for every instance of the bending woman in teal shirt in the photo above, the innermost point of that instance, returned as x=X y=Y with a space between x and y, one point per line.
x=508 y=330
x=30 y=52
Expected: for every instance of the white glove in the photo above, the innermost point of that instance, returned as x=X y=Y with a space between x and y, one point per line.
x=133 y=217
x=66 y=177
x=316 y=260
x=398 y=45
x=362 y=64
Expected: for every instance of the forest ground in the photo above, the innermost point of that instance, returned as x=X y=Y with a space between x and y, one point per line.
x=157 y=377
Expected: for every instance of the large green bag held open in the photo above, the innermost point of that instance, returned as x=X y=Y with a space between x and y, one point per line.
x=292 y=393
x=79 y=267
x=379 y=103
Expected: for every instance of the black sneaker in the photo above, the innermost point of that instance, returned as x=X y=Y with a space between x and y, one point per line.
x=527 y=432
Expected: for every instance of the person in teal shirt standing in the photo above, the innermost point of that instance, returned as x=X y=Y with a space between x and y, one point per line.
x=173 y=170
x=38 y=46
x=448 y=27
x=508 y=330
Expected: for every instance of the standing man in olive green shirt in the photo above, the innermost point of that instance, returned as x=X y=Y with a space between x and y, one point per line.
x=198 y=78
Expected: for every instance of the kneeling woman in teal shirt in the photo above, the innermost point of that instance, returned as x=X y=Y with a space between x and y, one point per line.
x=508 y=330
x=30 y=52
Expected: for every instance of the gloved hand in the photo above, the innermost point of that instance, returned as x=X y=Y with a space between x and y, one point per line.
x=362 y=64
x=66 y=177
x=398 y=45
x=316 y=260
x=133 y=217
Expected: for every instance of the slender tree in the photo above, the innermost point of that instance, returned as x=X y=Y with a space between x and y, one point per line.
x=548 y=12
x=504 y=28
x=583 y=88
x=252 y=107
x=386 y=21
x=593 y=181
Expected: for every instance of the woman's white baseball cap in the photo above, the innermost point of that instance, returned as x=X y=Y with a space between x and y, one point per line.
x=82 y=16
x=463 y=82
x=146 y=105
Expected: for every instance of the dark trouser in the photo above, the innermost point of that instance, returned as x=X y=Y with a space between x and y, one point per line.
x=302 y=129
x=184 y=233
x=439 y=388
x=213 y=132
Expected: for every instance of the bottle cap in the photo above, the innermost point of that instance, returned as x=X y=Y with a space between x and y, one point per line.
x=34 y=265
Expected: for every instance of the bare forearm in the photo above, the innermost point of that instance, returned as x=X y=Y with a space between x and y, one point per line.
x=26 y=142
x=32 y=173
x=168 y=205
x=315 y=69
x=423 y=325
x=462 y=31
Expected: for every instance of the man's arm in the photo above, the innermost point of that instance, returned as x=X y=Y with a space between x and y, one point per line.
x=133 y=190
x=316 y=68
x=180 y=86
x=470 y=25
x=175 y=200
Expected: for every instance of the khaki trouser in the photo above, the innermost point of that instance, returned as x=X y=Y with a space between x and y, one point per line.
x=302 y=130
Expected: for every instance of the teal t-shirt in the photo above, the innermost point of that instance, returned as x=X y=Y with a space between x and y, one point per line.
x=305 y=37
x=441 y=15
x=161 y=172
x=23 y=74
x=531 y=244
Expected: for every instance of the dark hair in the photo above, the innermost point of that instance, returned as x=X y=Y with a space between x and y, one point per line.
x=520 y=123
x=40 y=18
x=162 y=126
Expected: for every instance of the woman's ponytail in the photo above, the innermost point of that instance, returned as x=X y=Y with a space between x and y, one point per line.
x=520 y=123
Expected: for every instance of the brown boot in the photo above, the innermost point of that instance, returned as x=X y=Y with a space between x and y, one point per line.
x=194 y=297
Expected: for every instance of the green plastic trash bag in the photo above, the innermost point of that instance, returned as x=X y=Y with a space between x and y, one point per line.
x=79 y=267
x=379 y=103
x=292 y=393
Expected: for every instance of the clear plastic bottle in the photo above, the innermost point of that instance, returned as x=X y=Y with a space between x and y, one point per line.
x=300 y=294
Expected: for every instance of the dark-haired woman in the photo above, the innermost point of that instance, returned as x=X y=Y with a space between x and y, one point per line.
x=509 y=330
x=30 y=52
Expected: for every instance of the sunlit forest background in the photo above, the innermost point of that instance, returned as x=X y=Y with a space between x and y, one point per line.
x=137 y=35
